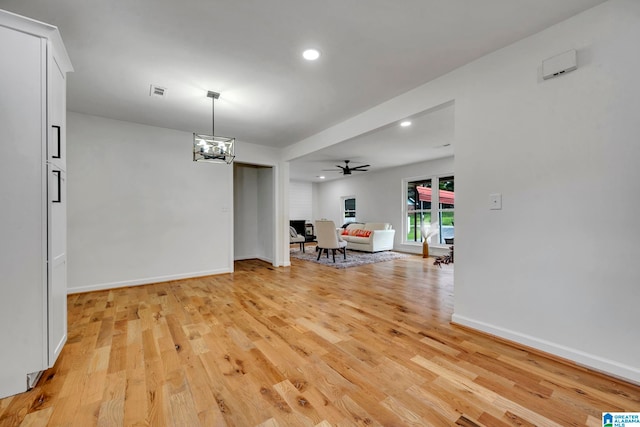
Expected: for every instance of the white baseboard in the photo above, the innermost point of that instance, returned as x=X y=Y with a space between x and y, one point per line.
x=144 y=281
x=591 y=361
x=417 y=249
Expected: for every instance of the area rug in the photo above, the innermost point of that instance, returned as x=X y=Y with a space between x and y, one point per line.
x=354 y=258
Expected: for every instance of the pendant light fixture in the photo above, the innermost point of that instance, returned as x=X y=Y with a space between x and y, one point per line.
x=211 y=148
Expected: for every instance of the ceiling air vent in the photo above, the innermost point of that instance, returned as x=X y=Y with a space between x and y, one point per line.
x=157 y=91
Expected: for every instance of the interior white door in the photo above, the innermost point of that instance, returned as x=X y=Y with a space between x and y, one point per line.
x=57 y=210
x=23 y=215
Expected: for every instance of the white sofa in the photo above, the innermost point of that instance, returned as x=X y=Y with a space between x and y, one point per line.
x=369 y=237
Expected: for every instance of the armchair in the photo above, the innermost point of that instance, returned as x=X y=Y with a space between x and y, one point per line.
x=328 y=239
x=294 y=237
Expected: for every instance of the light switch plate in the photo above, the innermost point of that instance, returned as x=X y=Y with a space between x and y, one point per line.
x=495 y=201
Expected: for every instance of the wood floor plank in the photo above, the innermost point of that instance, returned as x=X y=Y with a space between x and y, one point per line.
x=37 y=418
x=306 y=345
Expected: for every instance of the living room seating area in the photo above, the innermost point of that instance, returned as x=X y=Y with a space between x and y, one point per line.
x=369 y=237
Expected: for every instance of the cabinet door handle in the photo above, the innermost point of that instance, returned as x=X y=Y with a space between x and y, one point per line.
x=59 y=197
x=57 y=156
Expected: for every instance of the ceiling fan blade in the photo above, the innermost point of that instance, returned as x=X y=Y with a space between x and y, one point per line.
x=360 y=167
x=346 y=169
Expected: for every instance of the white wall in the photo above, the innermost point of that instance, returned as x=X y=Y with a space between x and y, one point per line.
x=254 y=212
x=300 y=200
x=564 y=155
x=379 y=195
x=245 y=216
x=265 y=212
x=140 y=210
x=555 y=268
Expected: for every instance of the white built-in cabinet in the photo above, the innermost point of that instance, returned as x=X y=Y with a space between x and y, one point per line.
x=33 y=200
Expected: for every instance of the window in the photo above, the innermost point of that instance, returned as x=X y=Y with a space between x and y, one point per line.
x=426 y=208
x=348 y=209
x=446 y=201
x=418 y=208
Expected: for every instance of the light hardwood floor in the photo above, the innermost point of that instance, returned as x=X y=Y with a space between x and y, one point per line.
x=302 y=346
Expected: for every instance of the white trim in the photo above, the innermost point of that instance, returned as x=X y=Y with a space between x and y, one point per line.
x=607 y=366
x=38 y=29
x=145 y=281
x=45 y=205
x=275 y=224
x=231 y=218
x=282 y=212
x=417 y=249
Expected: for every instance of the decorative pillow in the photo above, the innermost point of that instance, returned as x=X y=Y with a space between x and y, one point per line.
x=355 y=226
x=292 y=232
x=363 y=233
x=345 y=232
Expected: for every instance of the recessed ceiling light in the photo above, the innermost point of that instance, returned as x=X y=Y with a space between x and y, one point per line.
x=311 y=54
x=320 y=176
x=405 y=123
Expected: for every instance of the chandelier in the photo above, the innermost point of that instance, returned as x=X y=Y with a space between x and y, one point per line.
x=212 y=148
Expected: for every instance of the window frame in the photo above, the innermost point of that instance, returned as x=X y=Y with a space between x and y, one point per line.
x=435 y=211
x=443 y=210
x=408 y=212
x=344 y=210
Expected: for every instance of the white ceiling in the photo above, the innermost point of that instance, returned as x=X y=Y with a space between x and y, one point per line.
x=430 y=136
x=250 y=52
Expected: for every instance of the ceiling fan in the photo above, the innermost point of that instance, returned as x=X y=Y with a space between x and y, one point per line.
x=346 y=170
